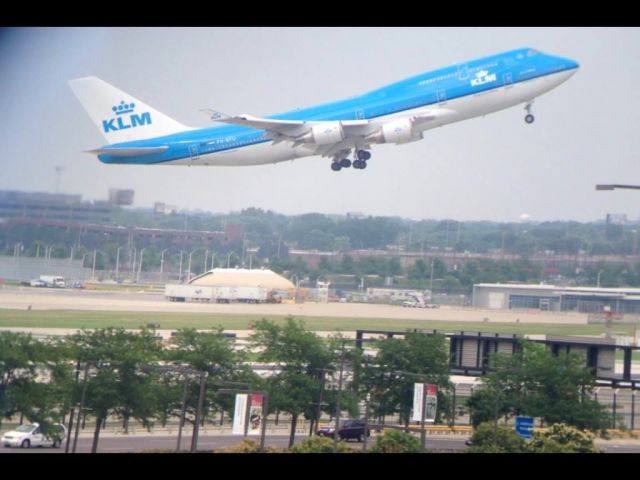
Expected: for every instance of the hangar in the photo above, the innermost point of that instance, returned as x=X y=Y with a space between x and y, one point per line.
x=553 y=298
x=242 y=277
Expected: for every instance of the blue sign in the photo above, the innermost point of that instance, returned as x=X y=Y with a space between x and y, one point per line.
x=524 y=427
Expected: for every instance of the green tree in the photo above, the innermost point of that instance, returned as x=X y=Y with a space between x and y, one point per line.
x=399 y=363
x=534 y=382
x=116 y=384
x=302 y=357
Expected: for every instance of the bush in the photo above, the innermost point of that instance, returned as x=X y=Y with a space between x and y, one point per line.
x=489 y=439
x=247 y=446
x=320 y=445
x=396 y=441
x=563 y=438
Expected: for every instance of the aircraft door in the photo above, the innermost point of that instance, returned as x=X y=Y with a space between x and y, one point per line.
x=463 y=72
x=508 y=79
x=193 y=152
x=442 y=96
x=359 y=114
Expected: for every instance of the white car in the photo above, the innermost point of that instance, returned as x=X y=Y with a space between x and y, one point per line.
x=30 y=435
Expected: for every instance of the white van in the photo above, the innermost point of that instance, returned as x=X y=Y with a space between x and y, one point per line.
x=31 y=435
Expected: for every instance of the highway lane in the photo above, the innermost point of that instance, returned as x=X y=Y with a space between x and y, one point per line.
x=128 y=444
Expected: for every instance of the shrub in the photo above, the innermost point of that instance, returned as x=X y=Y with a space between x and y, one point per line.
x=563 y=438
x=396 y=441
x=489 y=439
x=320 y=445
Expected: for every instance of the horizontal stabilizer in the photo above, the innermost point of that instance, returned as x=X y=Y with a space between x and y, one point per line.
x=128 y=151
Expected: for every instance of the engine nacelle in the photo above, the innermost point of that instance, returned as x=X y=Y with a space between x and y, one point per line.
x=396 y=131
x=324 y=134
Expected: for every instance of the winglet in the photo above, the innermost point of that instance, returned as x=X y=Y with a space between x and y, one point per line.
x=215 y=115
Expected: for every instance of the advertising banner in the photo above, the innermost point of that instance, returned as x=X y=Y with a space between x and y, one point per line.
x=255 y=414
x=239 y=414
x=420 y=392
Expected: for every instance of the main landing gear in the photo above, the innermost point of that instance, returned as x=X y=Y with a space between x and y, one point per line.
x=359 y=161
x=529 y=118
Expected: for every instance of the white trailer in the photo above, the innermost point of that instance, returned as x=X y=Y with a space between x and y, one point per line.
x=240 y=294
x=184 y=293
x=200 y=293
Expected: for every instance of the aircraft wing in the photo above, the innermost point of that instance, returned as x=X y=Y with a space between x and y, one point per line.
x=298 y=131
x=288 y=128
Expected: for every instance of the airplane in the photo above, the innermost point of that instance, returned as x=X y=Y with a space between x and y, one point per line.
x=398 y=113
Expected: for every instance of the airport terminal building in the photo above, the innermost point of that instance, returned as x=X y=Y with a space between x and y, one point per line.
x=559 y=299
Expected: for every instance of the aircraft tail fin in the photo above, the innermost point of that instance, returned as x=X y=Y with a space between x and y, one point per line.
x=119 y=116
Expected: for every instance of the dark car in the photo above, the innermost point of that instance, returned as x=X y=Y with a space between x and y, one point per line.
x=348 y=429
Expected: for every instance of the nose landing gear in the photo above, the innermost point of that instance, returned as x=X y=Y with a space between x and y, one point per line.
x=529 y=118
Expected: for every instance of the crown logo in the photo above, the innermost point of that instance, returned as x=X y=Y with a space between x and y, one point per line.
x=123 y=108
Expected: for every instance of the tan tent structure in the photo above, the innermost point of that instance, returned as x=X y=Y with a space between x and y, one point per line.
x=242 y=277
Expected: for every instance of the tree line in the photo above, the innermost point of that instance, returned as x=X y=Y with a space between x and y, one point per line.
x=132 y=375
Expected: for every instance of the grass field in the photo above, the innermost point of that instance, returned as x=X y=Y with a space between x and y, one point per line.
x=171 y=321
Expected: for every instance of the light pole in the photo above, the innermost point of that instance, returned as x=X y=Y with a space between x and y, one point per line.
x=213 y=260
x=598 y=281
x=189 y=265
x=229 y=259
x=83 y=257
x=431 y=281
x=162 y=262
x=206 y=256
x=180 y=268
x=117 y=263
x=140 y=264
x=93 y=269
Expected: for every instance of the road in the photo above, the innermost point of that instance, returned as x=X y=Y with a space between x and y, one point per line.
x=127 y=444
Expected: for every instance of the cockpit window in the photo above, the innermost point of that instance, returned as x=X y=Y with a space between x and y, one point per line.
x=532 y=52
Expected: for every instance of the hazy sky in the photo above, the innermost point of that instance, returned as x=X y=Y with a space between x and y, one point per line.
x=587 y=131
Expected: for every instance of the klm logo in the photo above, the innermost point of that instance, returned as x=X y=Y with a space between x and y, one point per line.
x=125 y=118
x=483 y=77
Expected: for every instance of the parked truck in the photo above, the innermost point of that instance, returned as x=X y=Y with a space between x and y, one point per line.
x=51 y=281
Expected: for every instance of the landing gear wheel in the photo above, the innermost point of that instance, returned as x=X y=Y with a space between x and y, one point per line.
x=345 y=163
x=363 y=155
x=360 y=164
x=529 y=118
x=335 y=166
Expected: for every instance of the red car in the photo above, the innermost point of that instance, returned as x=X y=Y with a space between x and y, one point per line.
x=348 y=429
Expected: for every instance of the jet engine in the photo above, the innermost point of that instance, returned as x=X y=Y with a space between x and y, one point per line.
x=324 y=134
x=396 y=131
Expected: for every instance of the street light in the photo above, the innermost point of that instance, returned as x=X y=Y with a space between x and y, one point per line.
x=229 y=259
x=189 y=265
x=598 y=281
x=117 y=263
x=162 y=262
x=180 y=268
x=140 y=265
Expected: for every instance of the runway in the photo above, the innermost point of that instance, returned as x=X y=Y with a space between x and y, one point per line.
x=22 y=298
